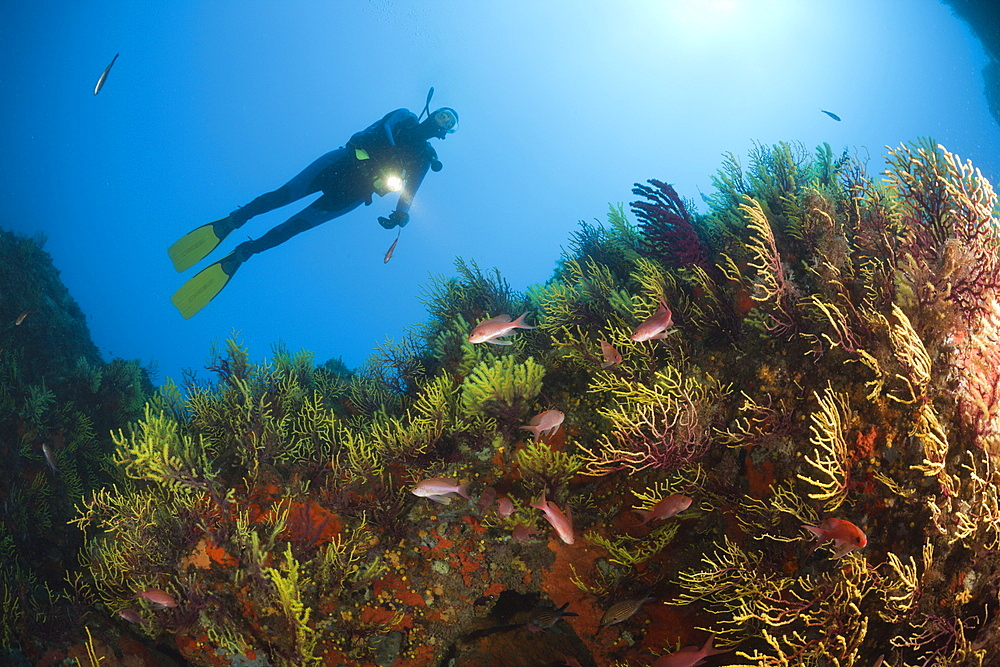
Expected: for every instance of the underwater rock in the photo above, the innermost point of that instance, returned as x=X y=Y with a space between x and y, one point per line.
x=982 y=17
x=386 y=648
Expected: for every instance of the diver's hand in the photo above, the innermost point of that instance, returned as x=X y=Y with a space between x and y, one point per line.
x=400 y=217
x=395 y=219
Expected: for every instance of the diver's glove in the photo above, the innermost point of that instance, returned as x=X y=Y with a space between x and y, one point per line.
x=395 y=219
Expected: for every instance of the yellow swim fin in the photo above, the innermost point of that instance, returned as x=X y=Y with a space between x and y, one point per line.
x=203 y=287
x=195 y=245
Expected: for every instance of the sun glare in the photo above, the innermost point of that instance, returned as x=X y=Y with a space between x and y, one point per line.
x=708 y=24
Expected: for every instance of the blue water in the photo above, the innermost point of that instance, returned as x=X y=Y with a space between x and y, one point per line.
x=562 y=108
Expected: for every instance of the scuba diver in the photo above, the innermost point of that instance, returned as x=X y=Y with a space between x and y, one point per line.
x=391 y=155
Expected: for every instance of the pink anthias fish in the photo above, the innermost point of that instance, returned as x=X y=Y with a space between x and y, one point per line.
x=563 y=523
x=486 y=498
x=492 y=330
x=130 y=615
x=544 y=423
x=670 y=506
x=612 y=357
x=160 y=599
x=439 y=490
x=505 y=507
x=845 y=535
x=656 y=326
x=689 y=656
x=521 y=532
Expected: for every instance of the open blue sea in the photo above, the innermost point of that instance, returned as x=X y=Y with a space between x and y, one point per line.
x=562 y=106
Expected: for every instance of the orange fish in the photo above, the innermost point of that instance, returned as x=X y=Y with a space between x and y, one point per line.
x=845 y=535
x=388 y=253
x=501 y=326
x=612 y=357
x=656 y=326
x=563 y=523
x=670 y=506
x=689 y=656
x=544 y=423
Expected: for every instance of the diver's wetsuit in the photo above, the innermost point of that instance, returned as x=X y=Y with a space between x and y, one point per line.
x=346 y=181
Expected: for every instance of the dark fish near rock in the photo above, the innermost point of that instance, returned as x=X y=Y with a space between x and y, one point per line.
x=104 y=75
x=543 y=618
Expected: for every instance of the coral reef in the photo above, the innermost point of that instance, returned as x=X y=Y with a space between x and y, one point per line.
x=824 y=400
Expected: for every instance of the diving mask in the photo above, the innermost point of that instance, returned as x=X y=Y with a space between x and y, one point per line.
x=446 y=119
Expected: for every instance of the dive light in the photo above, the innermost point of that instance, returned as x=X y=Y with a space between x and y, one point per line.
x=393 y=183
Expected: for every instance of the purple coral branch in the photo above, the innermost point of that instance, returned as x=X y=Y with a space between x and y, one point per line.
x=667 y=230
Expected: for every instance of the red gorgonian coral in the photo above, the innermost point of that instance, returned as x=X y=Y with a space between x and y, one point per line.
x=667 y=230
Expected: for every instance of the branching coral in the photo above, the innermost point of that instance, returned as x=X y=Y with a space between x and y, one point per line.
x=772 y=286
x=830 y=462
x=666 y=226
x=757 y=425
x=503 y=387
x=953 y=237
x=821 y=619
x=665 y=425
x=858 y=319
x=547 y=467
x=288 y=582
x=160 y=453
x=630 y=551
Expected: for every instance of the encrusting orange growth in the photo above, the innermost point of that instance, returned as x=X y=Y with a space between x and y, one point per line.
x=206 y=553
x=311 y=524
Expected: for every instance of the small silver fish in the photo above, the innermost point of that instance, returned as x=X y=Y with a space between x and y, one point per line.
x=104 y=75
x=388 y=253
x=50 y=458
